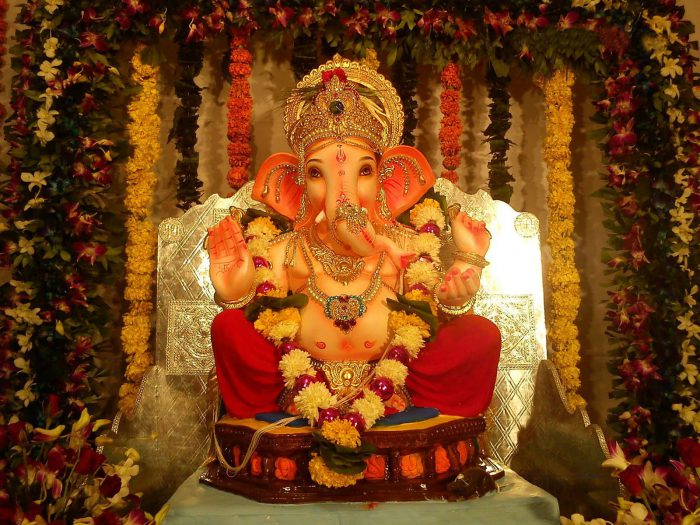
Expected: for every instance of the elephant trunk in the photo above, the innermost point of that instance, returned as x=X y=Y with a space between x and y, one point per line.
x=351 y=226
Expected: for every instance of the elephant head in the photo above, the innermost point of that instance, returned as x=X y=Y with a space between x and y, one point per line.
x=348 y=185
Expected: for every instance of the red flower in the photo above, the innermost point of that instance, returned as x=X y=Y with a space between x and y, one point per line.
x=55 y=459
x=627 y=205
x=631 y=478
x=358 y=23
x=157 y=22
x=110 y=486
x=623 y=139
x=689 y=450
x=90 y=15
x=433 y=20
x=134 y=7
x=633 y=243
x=190 y=13
x=196 y=32
x=89 y=461
x=99 y=42
x=306 y=17
x=122 y=18
x=501 y=22
x=465 y=29
x=281 y=14
x=625 y=105
x=53 y=404
x=89 y=251
x=568 y=21
x=525 y=53
x=330 y=7
x=88 y=104
x=385 y=15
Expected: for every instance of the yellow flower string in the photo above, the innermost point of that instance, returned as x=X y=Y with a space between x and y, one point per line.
x=143 y=131
x=563 y=276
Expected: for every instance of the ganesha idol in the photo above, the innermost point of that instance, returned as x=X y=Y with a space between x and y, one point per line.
x=349 y=361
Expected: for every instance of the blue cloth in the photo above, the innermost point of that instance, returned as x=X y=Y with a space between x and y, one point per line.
x=410 y=415
x=517 y=501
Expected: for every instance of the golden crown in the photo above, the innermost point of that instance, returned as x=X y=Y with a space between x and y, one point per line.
x=343 y=99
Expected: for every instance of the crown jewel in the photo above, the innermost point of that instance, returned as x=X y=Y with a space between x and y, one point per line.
x=343 y=99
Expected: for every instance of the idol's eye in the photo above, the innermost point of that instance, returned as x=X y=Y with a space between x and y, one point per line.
x=314 y=173
x=366 y=171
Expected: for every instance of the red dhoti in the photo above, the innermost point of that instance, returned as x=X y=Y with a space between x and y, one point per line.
x=455 y=373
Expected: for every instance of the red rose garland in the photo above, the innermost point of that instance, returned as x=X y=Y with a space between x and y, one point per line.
x=451 y=123
x=240 y=105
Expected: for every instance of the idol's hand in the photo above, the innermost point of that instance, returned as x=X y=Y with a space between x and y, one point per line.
x=231 y=266
x=458 y=287
x=470 y=236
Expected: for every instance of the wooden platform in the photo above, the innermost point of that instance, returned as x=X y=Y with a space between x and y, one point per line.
x=414 y=461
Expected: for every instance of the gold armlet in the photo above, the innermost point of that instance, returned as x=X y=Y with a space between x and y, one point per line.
x=472 y=258
x=454 y=310
x=238 y=303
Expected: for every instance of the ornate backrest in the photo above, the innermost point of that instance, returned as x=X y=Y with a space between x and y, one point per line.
x=175 y=389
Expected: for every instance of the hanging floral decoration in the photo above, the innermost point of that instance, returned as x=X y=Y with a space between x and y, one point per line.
x=240 y=107
x=190 y=58
x=406 y=81
x=3 y=50
x=304 y=55
x=451 y=123
x=143 y=130
x=500 y=178
x=563 y=277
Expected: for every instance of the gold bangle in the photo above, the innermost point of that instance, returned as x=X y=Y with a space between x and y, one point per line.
x=238 y=303
x=472 y=258
x=454 y=310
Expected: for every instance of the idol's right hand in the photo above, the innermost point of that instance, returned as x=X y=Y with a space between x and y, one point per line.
x=231 y=267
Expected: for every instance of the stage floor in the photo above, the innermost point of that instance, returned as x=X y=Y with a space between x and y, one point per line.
x=517 y=502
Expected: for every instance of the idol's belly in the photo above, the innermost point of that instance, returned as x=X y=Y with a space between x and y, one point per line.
x=364 y=342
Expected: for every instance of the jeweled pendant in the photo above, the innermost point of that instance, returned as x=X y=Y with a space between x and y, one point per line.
x=344 y=310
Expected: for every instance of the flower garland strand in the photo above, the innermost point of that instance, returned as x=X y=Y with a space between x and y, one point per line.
x=406 y=82
x=563 y=275
x=451 y=123
x=190 y=58
x=500 y=178
x=3 y=49
x=240 y=107
x=143 y=130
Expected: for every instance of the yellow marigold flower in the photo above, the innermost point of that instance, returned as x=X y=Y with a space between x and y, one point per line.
x=341 y=432
x=294 y=364
x=314 y=397
x=322 y=475
x=409 y=337
x=259 y=247
x=427 y=211
x=398 y=319
x=423 y=272
x=392 y=369
x=262 y=227
x=427 y=243
x=370 y=407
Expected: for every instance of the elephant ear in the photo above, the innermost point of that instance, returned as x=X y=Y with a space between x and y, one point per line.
x=405 y=176
x=276 y=184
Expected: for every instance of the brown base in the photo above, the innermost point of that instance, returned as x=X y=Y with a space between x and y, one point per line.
x=419 y=460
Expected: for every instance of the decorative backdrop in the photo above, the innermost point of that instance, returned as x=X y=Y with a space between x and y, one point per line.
x=63 y=230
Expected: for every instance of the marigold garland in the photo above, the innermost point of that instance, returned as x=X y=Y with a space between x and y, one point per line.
x=240 y=106
x=563 y=276
x=451 y=122
x=143 y=131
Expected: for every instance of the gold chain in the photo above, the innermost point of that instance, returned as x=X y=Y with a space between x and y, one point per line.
x=341 y=268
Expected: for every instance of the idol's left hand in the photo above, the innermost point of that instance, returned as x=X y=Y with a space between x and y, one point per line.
x=458 y=287
x=470 y=235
